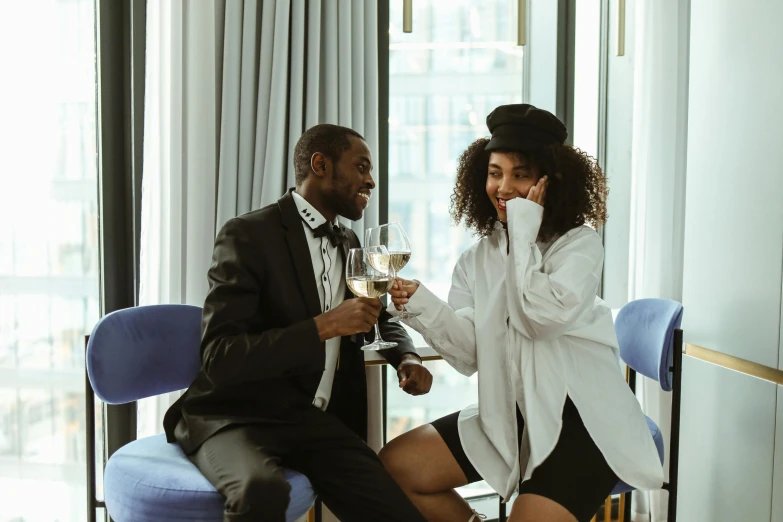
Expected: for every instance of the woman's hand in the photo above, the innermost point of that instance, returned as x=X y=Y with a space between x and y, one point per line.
x=537 y=193
x=401 y=291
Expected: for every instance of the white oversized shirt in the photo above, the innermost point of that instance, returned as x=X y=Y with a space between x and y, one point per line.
x=330 y=282
x=528 y=320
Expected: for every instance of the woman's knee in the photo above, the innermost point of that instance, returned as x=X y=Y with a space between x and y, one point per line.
x=421 y=463
x=393 y=457
x=403 y=460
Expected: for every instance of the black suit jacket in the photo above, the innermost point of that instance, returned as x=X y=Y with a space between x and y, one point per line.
x=262 y=358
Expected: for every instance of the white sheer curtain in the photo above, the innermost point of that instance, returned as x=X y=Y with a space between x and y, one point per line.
x=658 y=187
x=230 y=87
x=181 y=133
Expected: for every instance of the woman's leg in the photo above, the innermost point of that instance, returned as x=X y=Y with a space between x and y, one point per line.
x=535 y=508
x=422 y=464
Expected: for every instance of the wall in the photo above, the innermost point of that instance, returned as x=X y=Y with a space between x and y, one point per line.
x=733 y=259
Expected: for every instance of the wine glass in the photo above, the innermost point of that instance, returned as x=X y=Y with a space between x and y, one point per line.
x=368 y=273
x=393 y=237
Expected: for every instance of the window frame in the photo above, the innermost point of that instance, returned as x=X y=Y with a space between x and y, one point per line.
x=120 y=67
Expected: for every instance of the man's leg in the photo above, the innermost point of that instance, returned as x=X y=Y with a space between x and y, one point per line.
x=347 y=475
x=247 y=472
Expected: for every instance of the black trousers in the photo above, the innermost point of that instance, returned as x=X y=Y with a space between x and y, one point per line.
x=244 y=464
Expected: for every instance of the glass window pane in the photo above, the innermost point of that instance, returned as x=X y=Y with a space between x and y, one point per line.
x=586 y=75
x=460 y=62
x=48 y=255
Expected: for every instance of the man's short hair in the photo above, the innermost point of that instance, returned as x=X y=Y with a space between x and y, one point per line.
x=329 y=140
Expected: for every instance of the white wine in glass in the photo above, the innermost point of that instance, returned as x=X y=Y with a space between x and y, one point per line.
x=365 y=286
x=394 y=238
x=368 y=274
x=398 y=260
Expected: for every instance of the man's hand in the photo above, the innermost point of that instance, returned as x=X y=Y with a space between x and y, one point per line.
x=401 y=291
x=415 y=379
x=352 y=316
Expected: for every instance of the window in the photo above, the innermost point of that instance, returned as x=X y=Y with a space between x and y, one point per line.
x=49 y=291
x=587 y=50
x=460 y=62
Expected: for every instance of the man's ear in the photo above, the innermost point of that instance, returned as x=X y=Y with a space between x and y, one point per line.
x=320 y=164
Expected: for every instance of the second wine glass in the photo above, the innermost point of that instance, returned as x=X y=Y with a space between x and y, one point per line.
x=394 y=238
x=368 y=273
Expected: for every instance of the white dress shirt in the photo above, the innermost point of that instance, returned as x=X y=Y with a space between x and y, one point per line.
x=529 y=320
x=330 y=281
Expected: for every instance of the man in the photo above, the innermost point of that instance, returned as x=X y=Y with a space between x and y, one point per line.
x=282 y=383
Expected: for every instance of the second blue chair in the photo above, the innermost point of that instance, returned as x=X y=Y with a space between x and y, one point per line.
x=650 y=339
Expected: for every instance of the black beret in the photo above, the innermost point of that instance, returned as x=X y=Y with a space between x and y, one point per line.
x=524 y=128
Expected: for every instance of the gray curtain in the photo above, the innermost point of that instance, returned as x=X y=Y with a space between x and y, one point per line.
x=230 y=85
x=289 y=65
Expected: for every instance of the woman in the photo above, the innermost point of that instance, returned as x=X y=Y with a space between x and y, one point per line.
x=554 y=411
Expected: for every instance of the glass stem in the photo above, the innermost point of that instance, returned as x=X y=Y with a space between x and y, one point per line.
x=378 y=338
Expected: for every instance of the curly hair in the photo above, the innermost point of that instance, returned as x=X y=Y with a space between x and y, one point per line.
x=576 y=189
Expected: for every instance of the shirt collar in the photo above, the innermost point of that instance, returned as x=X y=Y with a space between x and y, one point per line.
x=308 y=213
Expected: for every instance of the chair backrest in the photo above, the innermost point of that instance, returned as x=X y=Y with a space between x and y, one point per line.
x=645 y=332
x=144 y=351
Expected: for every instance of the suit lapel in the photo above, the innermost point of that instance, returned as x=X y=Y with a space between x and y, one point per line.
x=300 y=253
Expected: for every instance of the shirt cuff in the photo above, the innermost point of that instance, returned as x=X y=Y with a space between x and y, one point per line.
x=524 y=219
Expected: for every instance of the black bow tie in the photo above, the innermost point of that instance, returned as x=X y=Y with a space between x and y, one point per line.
x=336 y=235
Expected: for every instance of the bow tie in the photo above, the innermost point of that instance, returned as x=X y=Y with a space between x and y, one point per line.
x=336 y=235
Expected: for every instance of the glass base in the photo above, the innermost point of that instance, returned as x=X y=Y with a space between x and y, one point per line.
x=379 y=345
x=404 y=315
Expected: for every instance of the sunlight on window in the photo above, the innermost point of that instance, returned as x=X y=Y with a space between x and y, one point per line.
x=48 y=254
x=460 y=62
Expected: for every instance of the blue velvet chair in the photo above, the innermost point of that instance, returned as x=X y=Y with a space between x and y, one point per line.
x=650 y=339
x=145 y=351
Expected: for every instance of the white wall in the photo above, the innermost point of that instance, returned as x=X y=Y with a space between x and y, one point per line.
x=733 y=258
x=777 y=484
x=734 y=216
x=726 y=444
x=777 y=479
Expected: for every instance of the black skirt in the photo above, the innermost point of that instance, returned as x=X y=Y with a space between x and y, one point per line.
x=575 y=474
